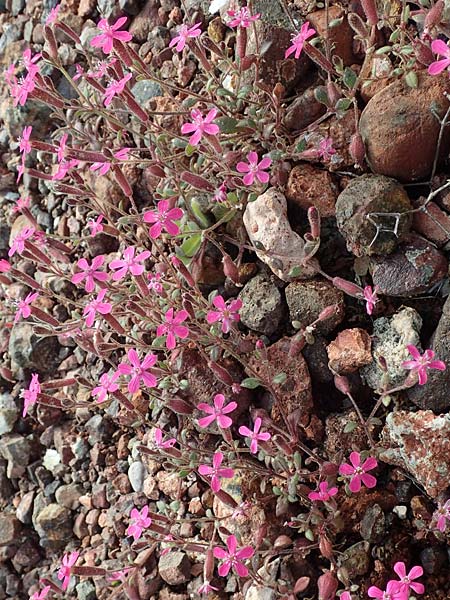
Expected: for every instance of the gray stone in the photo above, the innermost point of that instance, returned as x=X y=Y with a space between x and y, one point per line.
x=373 y=524
x=98 y=427
x=28 y=351
x=86 y=590
x=434 y=560
x=262 y=306
x=390 y=337
x=16 y=450
x=9 y=528
x=136 y=475
x=24 y=510
x=9 y=412
x=356 y=559
x=145 y=90
x=175 y=568
x=68 y=495
x=307 y=299
x=53 y=524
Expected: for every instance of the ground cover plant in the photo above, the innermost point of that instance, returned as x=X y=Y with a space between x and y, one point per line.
x=224 y=267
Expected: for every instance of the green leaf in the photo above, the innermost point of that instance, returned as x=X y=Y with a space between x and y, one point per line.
x=411 y=79
x=295 y=272
x=198 y=214
x=227 y=124
x=349 y=78
x=383 y=50
x=309 y=535
x=191 y=244
x=343 y=104
x=320 y=94
x=250 y=383
x=350 y=426
x=301 y=145
x=189 y=150
x=280 y=378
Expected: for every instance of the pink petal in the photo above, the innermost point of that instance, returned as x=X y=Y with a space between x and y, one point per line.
x=248 y=179
x=205 y=470
x=263 y=176
x=355 y=484
x=220 y=553
x=241 y=569
x=369 y=464
x=265 y=163
x=368 y=480
x=437 y=364
x=206 y=421
x=416 y=572
x=413 y=351
x=440 y=47
x=242 y=167
x=355 y=459
x=224 y=569
x=423 y=377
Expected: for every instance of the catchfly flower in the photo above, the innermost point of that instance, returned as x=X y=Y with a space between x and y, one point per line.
x=371 y=298
x=421 y=363
x=115 y=88
x=107 y=385
x=159 y=442
x=138 y=370
x=254 y=168
x=392 y=592
x=216 y=472
x=23 y=307
x=323 y=494
x=357 y=472
x=42 y=594
x=226 y=313
x=241 y=17
x=96 y=305
x=233 y=557
x=68 y=562
x=217 y=413
x=299 y=39
x=184 y=33
x=200 y=125
x=30 y=395
x=441 y=515
x=441 y=49
x=407 y=584
x=130 y=262
x=163 y=217
x=18 y=243
x=139 y=521
x=172 y=327
x=90 y=272
x=110 y=33
x=254 y=435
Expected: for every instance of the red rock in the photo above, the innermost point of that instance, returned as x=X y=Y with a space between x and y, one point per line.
x=339 y=36
x=434 y=224
x=308 y=186
x=349 y=351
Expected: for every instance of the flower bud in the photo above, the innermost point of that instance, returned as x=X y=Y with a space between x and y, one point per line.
x=196 y=181
x=230 y=269
x=325 y=548
x=370 y=10
x=434 y=15
x=342 y=384
x=333 y=93
x=348 y=287
x=51 y=41
x=357 y=149
x=327 y=586
x=327 y=312
x=422 y=52
x=314 y=221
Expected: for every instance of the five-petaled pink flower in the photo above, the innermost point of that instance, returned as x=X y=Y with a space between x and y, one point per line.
x=52 y=15
x=23 y=307
x=392 y=592
x=217 y=413
x=129 y=262
x=233 y=558
x=155 y=283
x=110 y=33
x=325 y=148
x=406 y=583
x=96 y=226
x=206 y=587
x=42 y=594
x=139 y=521
x=254 y=168
x=345 y=596
x=18 y=243
x=216 y=472
x=299 y=39
x=371 y=298
x=221 y=193
x=358 y=472
x=241 y=17
x=163 y=218
x=441 y=515
x=254 y=435
x=107 y=385
x=421 y=363
x=115 y=88
x=138 y=370
x=226 y=313
x=324 y=494
x=172 y=328
x=158 y=438
x=22 y=203
x=95 y=306
x=184 y=33
x=24 y=140
x=30 y=395
x=441 y=49
x=68 y=562
x=90 y=273
x=200 y=125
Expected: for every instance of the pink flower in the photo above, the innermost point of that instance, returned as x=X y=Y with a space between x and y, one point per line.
x=422 y=363
x=299 y=39
x=23 y=307
x=200 y=125
x=62 y=147
x=30 y=395
x=53 y=15
x=139 y=522
x=158 y=435
x=241 y=17
x=155 y=282
x=107 y=385
x=215 y=472
x=185 y=32
x=129 y=262
x=163 y=218
x=254 y=435
x=254 y=169
x=96 y=226
x=233 y=558
x=358 y=473
x=114 y=88
x=120 y=575
x=4 y=265
x=20 y=90
x=29 y=61
x=221 y=193
x=64 y=167
x=206 y=587
x=68 y=561
x=24 y=140
x=79 y=72
x=101 y=167
x=22 y=203
x=226 y=313
x=138 y=370
x=42 y=594
x=90 y=273
x=324 y=494
x=345 y=596
x=392 y=591
x=173 y=328
x=405 y=579
x=441 y=49
x=110 y=33
x=442 y=515
x=18 y=244
x=325 y=149
x=101 y=68
x=217 y=413
x=371 y=298
x=95 y=306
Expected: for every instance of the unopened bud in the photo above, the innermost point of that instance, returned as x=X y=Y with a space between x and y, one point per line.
x=434 y=15
x=325 y=547
x=370 y=10
x=328 y=312
x=208 y=568
x=179 y=406
x=196 y=181
x=314 y=221
x=242 y=42
x=230 y=269
x=156 y=171
x=348 y=287
x=51 y=41
x=333 y=93
x=342 y=384
x=327 y=586
x=358 y=25
x=357 y=149
x=122 y=181
x=422 y=52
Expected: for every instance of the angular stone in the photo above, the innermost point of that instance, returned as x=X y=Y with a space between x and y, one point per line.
x=411 y=270
x=262 y=306
x=10 y=528
x=400 y=129
x=307 y=299
x=9 y=412
x=350 y=351
x=340 y=37
x=303 y=111
x=420 y=443
x=53 y=524
x=433 y=224
x=69 y=495
x=136 y=475
x=308 y=186
x=174 y=568
x=28 y=351
x=24 y=510
x=16 y=450
x=275 y=242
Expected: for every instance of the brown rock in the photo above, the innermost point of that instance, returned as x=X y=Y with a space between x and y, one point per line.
x=294 y=398
x=340 y=36
x=144 y=22
x=174 y=568
x=374 y=72
x=25 y=508
x=420 y=443
x=400 y=130
x=171 y=485
x=411 y=270
x=308 y=186
x=9 y=528
x=433 y=223
x=349 y=351
x=303 y=111
x=80 y=528
x=340 y=130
